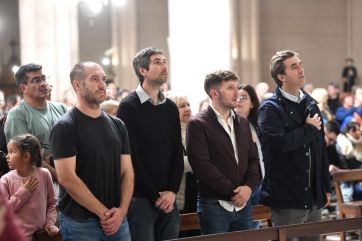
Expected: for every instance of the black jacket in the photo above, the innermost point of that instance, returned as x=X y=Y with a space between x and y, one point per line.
x=291 y=149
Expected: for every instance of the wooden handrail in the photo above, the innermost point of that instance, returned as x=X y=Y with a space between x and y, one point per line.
x=283 y=232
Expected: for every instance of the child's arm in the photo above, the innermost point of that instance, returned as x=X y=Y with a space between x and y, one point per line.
x=20 y=196
x=51 y=215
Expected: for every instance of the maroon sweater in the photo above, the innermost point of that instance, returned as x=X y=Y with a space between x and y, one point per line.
x=211 y=155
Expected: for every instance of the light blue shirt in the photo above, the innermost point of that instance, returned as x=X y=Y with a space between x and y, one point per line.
x=142 y=94
x=296 y=99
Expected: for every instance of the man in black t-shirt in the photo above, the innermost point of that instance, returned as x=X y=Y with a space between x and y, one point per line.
x=93 y=163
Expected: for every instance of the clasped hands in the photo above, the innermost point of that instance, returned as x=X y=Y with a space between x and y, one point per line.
x=242 y=195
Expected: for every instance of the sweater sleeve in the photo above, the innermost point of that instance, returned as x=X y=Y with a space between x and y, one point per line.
x=51 y=213
x=18 y=198
x=198 y=154
x=143 y=181
x=177 y=162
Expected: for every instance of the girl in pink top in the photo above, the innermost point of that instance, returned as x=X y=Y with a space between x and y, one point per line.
x=28 y=187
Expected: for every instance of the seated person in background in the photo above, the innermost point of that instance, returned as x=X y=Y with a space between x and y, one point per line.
x=344 y=114
x=350 y=145
x=28 y=187
x=336 y=162
x=121 y=94
x=321 y=96
x=333 y=97
x=110 y=107
x=261 y=89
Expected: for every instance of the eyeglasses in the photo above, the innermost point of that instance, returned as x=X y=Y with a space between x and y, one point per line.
x=38 y=79
x=243 y=98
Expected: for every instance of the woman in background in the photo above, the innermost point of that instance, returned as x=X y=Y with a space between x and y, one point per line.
x=187 y=195
x=247 y=106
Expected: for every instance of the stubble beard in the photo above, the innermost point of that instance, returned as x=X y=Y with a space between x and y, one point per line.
x=158 y=82
x=91 y=99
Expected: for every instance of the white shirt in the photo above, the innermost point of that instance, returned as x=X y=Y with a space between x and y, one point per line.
x=258 y=146
x=296 y=99
x=142 y=94
x=229 y=128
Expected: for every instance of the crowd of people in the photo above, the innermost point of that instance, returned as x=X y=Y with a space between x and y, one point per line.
x=111 y=164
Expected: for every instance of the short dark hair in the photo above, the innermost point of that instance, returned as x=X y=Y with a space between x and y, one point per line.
x=29 y=143
x=20 y=75
x=333 y=126
x=253 y=115
x=277 y=66
x=142 y=60
x=77 y=72
x=217 y=77
x=351 y=126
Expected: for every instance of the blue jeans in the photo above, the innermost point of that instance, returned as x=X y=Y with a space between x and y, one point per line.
x=216 y=219
x=149 y=223
x=86 y=230
x=255 y=200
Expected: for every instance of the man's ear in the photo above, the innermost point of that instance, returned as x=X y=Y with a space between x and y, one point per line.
x=213 y=93
x=76 y=84
x=22 y=88
x=281 y=77
x=143 y=71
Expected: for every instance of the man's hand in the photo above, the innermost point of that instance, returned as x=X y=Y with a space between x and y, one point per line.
x=314 y=121
x=113 y=221
x=242 y=195
x=165 y=201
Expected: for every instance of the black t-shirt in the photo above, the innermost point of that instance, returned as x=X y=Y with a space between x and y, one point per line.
x=97 y=144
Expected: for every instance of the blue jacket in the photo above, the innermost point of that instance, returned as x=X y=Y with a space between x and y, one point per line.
x=294 y=155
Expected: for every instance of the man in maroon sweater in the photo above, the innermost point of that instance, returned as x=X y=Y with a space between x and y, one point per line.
x=224 y=158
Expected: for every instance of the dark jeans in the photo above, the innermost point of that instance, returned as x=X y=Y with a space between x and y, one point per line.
x=255 y=200
x=216 y=219
x=149 y=223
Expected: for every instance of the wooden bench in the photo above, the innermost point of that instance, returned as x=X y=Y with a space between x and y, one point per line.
x=190 y=221
x=347 y=209
x=282 y=233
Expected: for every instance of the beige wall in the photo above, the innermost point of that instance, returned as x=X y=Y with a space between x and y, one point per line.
x=317 y=29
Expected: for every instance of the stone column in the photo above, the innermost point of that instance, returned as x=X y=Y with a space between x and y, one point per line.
x=124 y=44
x=354 y=33
x=49 y=36
x=245 y=45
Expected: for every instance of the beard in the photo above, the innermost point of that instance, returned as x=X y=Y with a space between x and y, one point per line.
x=158 y=82
x=91 y=98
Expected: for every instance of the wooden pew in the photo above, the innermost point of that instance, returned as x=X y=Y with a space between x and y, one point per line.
x=347 y=209
x=282 y=233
